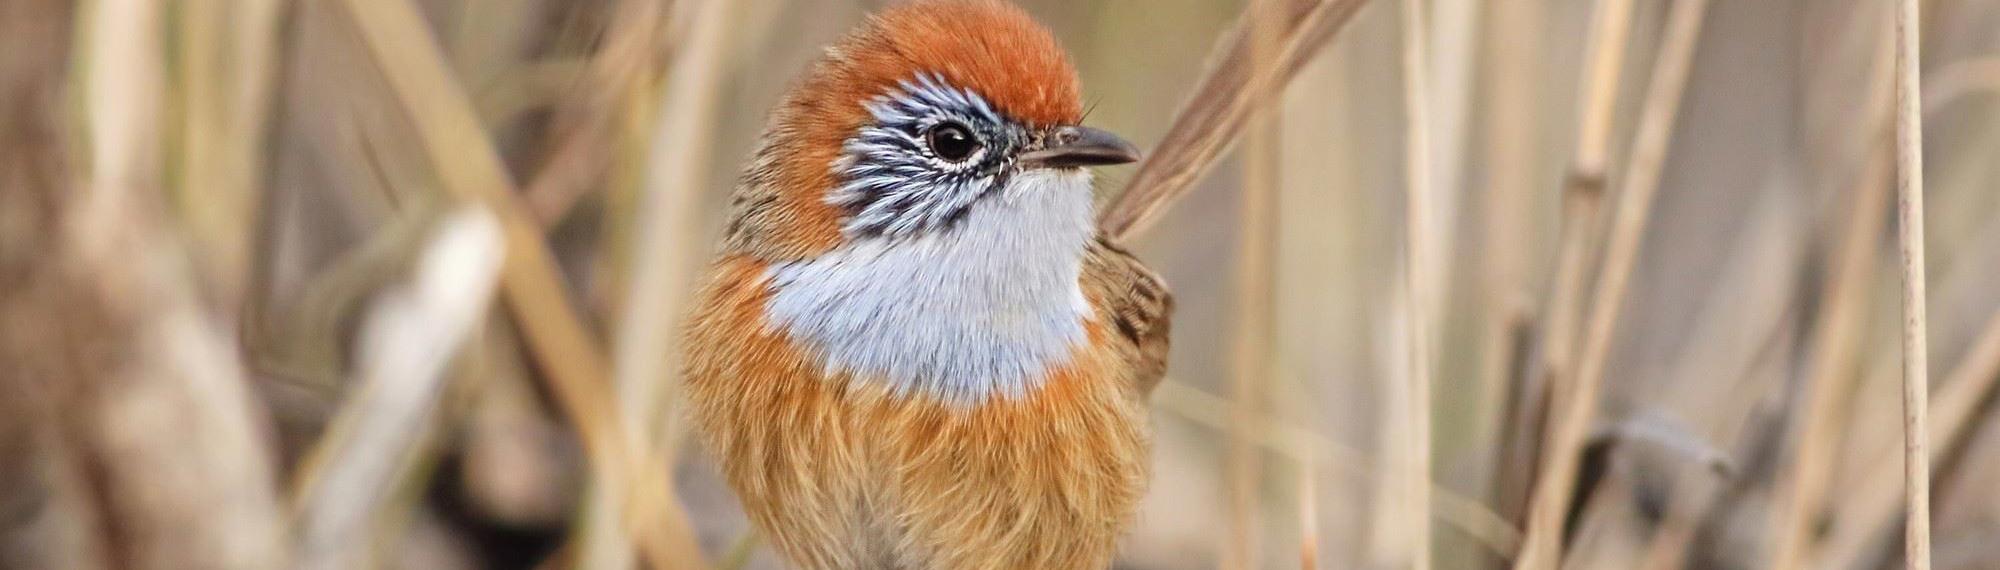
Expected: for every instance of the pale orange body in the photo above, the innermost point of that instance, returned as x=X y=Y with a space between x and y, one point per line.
x=839 y=471
x=845 y=476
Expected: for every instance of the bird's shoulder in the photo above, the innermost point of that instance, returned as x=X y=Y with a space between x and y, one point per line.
x=1135 y=304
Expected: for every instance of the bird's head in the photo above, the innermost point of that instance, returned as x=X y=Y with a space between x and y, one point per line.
x=906 y=125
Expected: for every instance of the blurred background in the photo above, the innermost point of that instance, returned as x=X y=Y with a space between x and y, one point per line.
x=393 y=283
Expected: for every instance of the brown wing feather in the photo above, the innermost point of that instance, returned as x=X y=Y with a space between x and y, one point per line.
x=1137 y=306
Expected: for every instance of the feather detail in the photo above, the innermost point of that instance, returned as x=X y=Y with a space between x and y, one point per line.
x=845 y=474
x=991 y=49
x=1135 y=303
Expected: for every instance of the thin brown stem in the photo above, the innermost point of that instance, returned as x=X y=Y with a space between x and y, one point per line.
x=1306 y=447
x=1571 y=419
x=469 y=167
x=379 y=435
x=1544 y=390
x=646 y=350
x=1232 y=88
x=1832 y=365
x=1250 y=360
x=1583 y=189
x=626 y=67
x=1514 y=42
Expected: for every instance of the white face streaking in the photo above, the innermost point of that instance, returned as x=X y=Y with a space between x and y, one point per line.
x=897 y=180
x=985 y=307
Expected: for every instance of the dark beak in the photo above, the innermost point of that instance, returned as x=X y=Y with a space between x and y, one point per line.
x=1080 y=146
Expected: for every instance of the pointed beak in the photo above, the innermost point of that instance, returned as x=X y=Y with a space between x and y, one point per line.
x=1080 y=146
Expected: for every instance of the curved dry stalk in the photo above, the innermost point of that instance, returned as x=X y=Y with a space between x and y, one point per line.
x=1544 y=389
x=624 y=69
x=1571 y=420
x=1234 y=85
x=1253 y=313
x=409 y=339
x=1306 y=447
x=1833 y=354
x=1308 y=514
x=225 y=84
x=1833 y=349
x=1910 y=239
x=1971 y=382
x=469 y=167
x=1960 y=79
x=646 y=349
x=154 y=410
x=1506 y=212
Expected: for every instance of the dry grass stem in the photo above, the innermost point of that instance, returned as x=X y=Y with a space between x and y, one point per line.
x=1516 y=283
x=149 y=415
x=1252 y=321
x=1455 y=32
x=662 y=262
x=1308 y=515
x=1233 y=88
x=409 y=339
x=1833 y=354
x=1571 y=420
x=1583 y=191
x=1514 y=45
x=625 y=68
x=224 y=90
x=1301 y=445
x=1418 y=278
x=1869 y=512
x=1959 y=80
x=1543 y=389
x=1972 y=382
x=470 y=168
x=1910 y=238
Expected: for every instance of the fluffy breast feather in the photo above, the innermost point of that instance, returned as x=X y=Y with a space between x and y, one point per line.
x=846 y=474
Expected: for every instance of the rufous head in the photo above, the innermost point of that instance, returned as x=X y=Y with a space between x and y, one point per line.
x=907 y=123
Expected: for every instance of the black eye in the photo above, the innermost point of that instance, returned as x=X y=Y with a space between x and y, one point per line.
x=952 y=141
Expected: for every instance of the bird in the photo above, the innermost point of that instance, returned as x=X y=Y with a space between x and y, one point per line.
x=914 y=349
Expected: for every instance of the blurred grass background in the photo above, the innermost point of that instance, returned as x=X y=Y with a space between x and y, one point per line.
x=233 y=234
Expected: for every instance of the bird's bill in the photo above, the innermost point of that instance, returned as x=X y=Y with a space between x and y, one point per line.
x=1079 y=146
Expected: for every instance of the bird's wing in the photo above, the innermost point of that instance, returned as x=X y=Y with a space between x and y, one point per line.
x=1137 y=306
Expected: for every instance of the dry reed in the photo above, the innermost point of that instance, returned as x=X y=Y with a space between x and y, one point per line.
x=1252 y=321
x=1568 y=406
x=372 y=447
x=1836 y=337
x=469 y=168
x=1910 y=239
x=1230 y=91
x=1419 y=278
x=168 y=169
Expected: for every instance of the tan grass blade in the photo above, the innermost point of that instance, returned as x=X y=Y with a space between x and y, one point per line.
x=376 y=438
x=1910 y=239
x=1254 y=315
x=1571 y=420
x=469 y=167
x=1834 y=345
x=1231 y=89
x=1304 y=446
x=662 y=261
x=1419 y=278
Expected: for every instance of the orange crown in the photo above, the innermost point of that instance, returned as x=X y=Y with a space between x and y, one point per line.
x=990 y=47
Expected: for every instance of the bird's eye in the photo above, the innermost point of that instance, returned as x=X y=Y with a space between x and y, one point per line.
x=952 y=141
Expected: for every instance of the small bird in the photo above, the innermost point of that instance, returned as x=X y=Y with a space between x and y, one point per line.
x=914 y=349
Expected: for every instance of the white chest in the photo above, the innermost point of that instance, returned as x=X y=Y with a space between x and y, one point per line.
x=982 y=309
